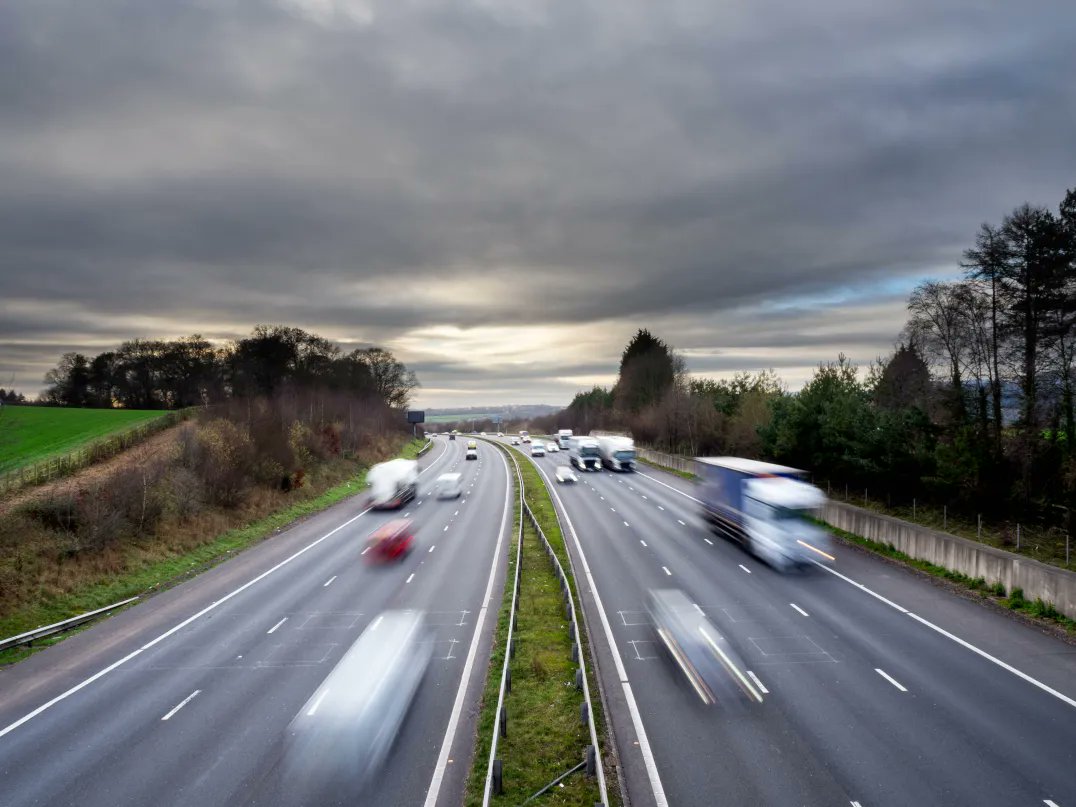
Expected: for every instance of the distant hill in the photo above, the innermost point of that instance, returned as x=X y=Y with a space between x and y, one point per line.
x=506 y=412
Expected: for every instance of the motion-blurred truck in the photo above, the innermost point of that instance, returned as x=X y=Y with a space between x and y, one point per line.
x=392 y=484
x=564 y=439
x=584 y=454
x=765 y=507
x=617 y=452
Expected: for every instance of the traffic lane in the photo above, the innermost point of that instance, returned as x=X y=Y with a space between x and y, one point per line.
x=199 y=643
x=237 y=703
x=703 y=755
x=973 y=700
x=1035 y=652
x=454 y=594
x=1007 y=639
x=51 y=672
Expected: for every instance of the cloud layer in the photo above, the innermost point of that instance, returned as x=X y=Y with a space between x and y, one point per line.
x=502 y=191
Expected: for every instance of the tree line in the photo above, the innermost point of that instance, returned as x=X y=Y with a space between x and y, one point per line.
x=974 y=407
x=191 y=371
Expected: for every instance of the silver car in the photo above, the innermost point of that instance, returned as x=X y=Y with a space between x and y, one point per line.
x=344 y=732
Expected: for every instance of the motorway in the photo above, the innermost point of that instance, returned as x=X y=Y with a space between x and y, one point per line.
x=184 y=699
x=883 y=689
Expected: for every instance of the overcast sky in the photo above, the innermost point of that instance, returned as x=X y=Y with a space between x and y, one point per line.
x=502 y=191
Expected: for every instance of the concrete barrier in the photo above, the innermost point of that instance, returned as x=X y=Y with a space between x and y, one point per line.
x=674 y=461
x=1038 y=580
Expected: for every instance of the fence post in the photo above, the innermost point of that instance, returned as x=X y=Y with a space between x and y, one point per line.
x=979 y=531
x=945 y=517
x=1066 y=549
x=1018 y=537
x=864 y=497
x=913 y=508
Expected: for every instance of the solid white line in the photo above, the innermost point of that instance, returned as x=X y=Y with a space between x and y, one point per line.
x=409 y=579
x=707 y=540
x=277 y=625
x=670 y=487
x=666 y=568
x=182 y=703
x=861 y=587
x=682 y=522
x=317 y=703
x=327 y=582
x=997 y=661
x=641 y=541
x=434 y=789
x=745 y=568
x=633 y=708
x=799 y=609
x=759 y=684
x=890 y=679
x=1019 y=673
x=177 y=627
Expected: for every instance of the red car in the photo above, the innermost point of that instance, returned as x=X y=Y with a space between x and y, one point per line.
x=389 y=542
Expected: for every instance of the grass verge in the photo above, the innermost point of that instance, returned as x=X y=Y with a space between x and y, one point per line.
x=546 y=736
x=668 y=470
x=1015 y=601
x=158 y=575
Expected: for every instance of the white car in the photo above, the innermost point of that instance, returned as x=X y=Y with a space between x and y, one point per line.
x=515 y=441
x=551 y=448
x=564 y=474
x=448 y=486
x=537 y=450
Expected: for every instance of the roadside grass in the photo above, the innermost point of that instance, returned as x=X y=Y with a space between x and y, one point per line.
x=541 y=504
x=681 y=474
x=30 y=434
x=147 y=573
x=546 y=735
x=994 y=591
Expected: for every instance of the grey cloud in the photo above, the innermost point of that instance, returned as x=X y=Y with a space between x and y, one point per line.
x=616 y=162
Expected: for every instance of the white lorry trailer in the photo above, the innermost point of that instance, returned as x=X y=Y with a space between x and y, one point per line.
x=617 y=452
x=765 y=507
x=564 y=439
x=584 y=455
x=392 y=484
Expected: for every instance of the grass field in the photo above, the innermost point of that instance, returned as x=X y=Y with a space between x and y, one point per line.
x=29 y=434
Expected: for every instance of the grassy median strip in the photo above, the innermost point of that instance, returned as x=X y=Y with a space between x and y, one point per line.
x=546 y=736
x=162 y=574
x=995 y=591
x=541 y=504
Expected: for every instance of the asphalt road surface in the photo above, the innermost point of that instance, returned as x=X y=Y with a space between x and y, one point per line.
x=883 y=689
x=184 y=699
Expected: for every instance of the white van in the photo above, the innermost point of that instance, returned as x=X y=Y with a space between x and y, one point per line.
x=449 y=486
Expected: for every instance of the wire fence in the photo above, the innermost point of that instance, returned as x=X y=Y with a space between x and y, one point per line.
x=107 y=447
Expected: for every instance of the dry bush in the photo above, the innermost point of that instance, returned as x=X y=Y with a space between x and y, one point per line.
x=226 y=462
x=184 y=493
